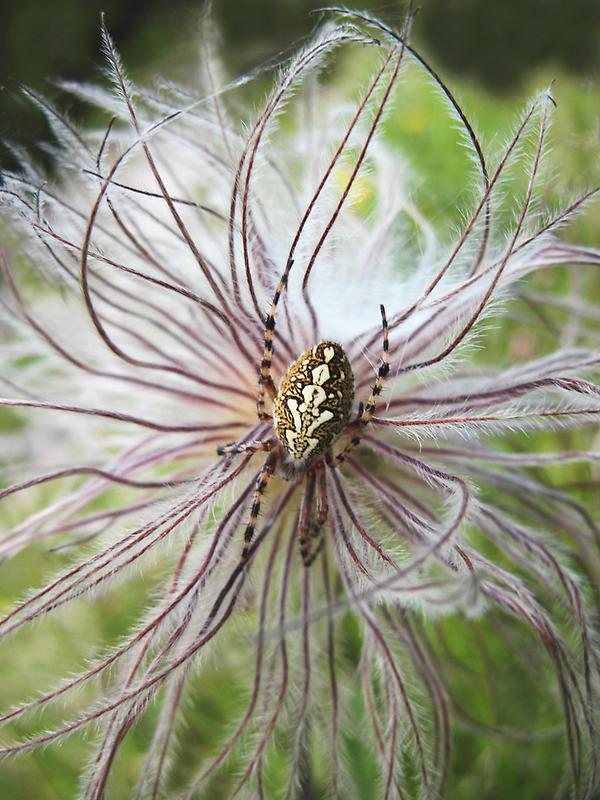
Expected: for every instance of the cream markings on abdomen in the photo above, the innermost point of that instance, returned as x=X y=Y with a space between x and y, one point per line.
x=313 y=403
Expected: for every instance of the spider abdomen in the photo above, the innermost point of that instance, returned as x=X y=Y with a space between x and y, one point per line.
x=314 y=401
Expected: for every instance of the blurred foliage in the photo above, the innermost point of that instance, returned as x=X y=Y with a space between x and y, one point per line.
x=495 y=43
x=500 y=41
x=41 y=42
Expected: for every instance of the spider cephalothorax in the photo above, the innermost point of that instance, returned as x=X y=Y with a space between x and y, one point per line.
x=311 y=409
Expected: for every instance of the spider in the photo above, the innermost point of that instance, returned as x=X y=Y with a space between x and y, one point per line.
x=311 y=410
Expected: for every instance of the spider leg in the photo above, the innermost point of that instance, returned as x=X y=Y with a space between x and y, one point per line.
x=315 y=545
x=366 y=415
x=306 y=515
x=265 y=381
x=264 y=476
x=256 y=446
x=322 y=504
x=318 y=537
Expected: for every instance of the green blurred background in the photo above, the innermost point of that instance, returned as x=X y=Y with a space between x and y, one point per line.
x=493 y=44
x=495 y=55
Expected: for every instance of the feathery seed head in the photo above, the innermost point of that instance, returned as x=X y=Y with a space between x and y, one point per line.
x=206 y=320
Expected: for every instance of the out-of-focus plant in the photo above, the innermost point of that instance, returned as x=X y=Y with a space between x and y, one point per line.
x=312 y=523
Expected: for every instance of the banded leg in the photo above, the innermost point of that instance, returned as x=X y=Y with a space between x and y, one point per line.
x=305 y=520
x=264 y=476
x=233 y=448
x=316 y=531
x=317 y=537
x=322 y=504
x=265 y=381
x=366 y=414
